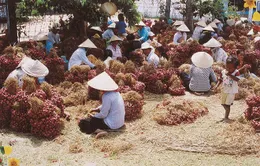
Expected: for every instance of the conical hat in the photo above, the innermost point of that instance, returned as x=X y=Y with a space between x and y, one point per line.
x=141 y=23
x=40 y=37
x=251 y=32
x=202 y=23
x=216 y=21
x=96 y=29
x=202 y=60
x=208 y=28
x=146 y=45
x=177 y=23
x=256 y=39
x=109 y=8
x=103 y=82
x=183 y=28
x=113 y=25
x=239 y=23
x=115 y=38
x=213 y=25
x=35 y=68
x=24 y=60
x=212 y=43
x=243 y=19
x=231 y=22
x=87 y=44
x=151 y=34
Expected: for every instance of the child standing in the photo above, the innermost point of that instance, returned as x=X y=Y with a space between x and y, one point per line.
x=230 y=85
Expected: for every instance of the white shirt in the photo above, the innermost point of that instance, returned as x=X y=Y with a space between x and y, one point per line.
x=219 y=55
x=79 y=57
x=197 y=32
x=155 y=42
x=153 y=58
x=53 y=38
x=229 y=85
x=112 y=110
x=107 y=61
x=178 y=35
x=108 y=34
x=116 y=52
x=18 y=74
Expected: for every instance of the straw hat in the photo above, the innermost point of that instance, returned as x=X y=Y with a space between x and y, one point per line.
x=177 y=23
x=208 y=28
x=35 y=68
x=251 y=32
x=202 y=23
x=113 y=25
x=146 y=46
x=87 y=44
x=231 y=22
x=141 y=23
x=183 y=28
x=115 y=38
x=216 y=21
x=256 y=39
x=103 y=82
x=24 y=60
x=96 y=36
x=212 y=43
x=96 y=29
x=151 y=33
x=213 y=25
x=40 y=37
x=202 y=60
x=109 y=8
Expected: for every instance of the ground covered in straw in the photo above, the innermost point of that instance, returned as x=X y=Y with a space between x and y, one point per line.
x=145 y=142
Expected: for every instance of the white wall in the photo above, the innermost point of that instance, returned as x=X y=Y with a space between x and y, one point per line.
x=151 y=8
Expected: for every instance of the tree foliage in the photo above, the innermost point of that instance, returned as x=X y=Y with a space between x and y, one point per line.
x=86 y=10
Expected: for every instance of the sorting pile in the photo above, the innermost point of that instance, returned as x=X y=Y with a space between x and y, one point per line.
x=56 y=68
x=77 y=74
x=133 y=105
x=31 y=109
x=176 y=111
x=252 y=113
x=8 y=62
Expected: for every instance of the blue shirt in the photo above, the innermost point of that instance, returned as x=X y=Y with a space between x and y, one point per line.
x=143 y=34
x=79 y=57
x=121 y=25
x=112 y=110
x=108 y=34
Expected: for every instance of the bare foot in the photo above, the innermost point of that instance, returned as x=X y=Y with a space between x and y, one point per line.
x=198 y=93
x=101 y=134
x=225 y=120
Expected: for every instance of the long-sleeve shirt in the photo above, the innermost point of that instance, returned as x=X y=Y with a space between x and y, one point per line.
x=200 y=79
x=79 y=57
x=53 y=38
x=178 y=35
x=116 y=52
x=219 y=55
x=143 y=34
x=17 y=74
x=197 y=32
x=112 y=110
x=153 y=58
x=108 y=34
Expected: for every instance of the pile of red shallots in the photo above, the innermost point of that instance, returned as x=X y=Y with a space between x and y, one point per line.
x=252 y=113
x=8 y=62
x=176 y=111
x=161 y=80
x=56 y=67
x=133 y=105
x=31 y=109
x=77 y=74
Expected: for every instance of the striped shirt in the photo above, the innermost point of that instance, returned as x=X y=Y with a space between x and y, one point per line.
x=200 y=79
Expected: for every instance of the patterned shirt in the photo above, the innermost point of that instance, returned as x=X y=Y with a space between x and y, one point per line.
x=200 y=79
